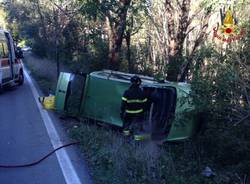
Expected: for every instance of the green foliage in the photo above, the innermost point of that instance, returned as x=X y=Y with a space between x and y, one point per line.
x=220 y=89
x=90 y=9
x=221 y=95
x=220 y=83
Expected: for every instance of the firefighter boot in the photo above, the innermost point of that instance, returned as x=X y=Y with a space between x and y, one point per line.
x=141 y=137
x=126 y=132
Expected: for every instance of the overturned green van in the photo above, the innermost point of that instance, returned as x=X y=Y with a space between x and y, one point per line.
x=169 y=114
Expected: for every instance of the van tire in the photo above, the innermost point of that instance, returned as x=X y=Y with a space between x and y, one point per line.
x=20 y=78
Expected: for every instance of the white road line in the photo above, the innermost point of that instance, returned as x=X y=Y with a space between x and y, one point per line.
x=65 y=163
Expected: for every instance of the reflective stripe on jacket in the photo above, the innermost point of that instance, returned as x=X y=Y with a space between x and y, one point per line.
x=133 y=101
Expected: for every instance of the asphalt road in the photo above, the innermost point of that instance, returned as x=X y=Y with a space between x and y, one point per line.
x=24 y=138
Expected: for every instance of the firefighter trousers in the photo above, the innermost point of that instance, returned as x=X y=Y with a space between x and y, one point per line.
x=134 y=123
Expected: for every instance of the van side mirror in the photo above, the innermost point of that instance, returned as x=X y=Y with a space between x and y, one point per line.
x=19 y=53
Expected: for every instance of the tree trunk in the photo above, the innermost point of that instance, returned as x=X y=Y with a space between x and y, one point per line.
x=173 y=67
x=184 y=74
x=176 y=38
x=44 y=30
x=110 y=40
x=128 y=42
x=190 y=55
x=114 y=52
x=57 y=61
x=117 y=26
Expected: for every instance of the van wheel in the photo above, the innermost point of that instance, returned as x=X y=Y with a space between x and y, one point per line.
x=20 y=78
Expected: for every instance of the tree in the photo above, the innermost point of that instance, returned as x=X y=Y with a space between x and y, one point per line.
x=43 y=23
x=136 y=18
x=114 y=14
x=117 y=25
x=2 y=17
x=178 y=30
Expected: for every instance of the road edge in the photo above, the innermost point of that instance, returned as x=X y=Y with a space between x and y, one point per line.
x=68 y=170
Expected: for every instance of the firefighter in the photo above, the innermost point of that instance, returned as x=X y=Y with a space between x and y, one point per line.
x=133 y=106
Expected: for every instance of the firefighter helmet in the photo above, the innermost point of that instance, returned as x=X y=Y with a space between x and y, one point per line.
x=135 y=80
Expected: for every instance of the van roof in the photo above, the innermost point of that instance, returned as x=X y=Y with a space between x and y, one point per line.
x=146 y=80
x=2 y=31
x=115 y=75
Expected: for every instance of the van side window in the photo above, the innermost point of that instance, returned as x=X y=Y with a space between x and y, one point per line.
x=1 y=49
x=6 y=50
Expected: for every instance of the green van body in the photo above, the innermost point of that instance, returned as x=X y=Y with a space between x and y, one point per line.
x=102 y=99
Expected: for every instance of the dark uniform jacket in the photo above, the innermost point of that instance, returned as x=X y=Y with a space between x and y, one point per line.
x=134 y=102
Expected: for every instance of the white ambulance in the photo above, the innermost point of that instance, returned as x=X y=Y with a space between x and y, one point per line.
x=11 y=67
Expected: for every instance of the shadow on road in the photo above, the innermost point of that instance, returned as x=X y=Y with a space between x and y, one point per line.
x=8 y=88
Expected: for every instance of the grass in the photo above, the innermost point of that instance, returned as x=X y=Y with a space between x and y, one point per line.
x=114 y=159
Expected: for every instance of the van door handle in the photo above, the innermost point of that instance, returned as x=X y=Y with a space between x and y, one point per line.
x=62 y=91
